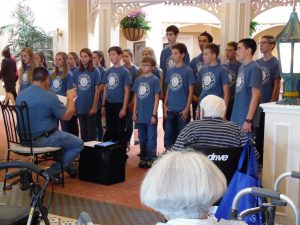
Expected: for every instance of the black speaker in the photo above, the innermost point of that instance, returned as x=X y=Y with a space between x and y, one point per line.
x=104 y=163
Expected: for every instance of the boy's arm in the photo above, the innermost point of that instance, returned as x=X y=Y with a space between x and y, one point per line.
x=226 y=90
x=125 y=101
x=154 y=118
x=161 y=81
x=186 y=111
x=276 y=90
x=134 y=113
x=166 y=109
x=93 y=110
x=252 y=108
x=103 y=102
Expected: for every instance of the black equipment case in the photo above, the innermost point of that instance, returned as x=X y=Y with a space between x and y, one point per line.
x=104 y=163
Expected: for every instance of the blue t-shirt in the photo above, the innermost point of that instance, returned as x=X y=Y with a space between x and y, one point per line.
x=73 y=69
x=232 y=69
x=133 y=72
x=102 y=71
x=85 y=82
x=249 y=77
x=60 y=86
x=166 y=62
x=212 y=79
x=25 y=82
x=270 y=73
x=44 y=109
x=196 y=64
x=179 y=80
x=115 y=80
x=145 y=88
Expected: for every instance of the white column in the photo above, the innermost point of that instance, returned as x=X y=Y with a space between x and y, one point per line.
x=235 y=22
x=282 y=153
x=109 y=34
x=154 y=38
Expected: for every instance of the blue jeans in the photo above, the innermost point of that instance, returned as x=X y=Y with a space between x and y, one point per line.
x=71 y=145
x=173 y=126
x=87 y=127
x=148 y=140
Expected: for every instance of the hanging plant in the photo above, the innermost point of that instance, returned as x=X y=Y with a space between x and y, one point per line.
x=134 y=25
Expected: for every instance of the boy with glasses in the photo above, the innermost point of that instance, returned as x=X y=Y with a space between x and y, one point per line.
x=270 y=84
x=147 y=90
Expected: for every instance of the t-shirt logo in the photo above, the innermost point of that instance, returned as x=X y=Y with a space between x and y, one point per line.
x=84 y=82
x=143 y=90
x=175 y=82
x=24 y=78
x=208 y=80
x=231 y=77
x=56 y=84
x=113 y=81
x=265 y=75
x=240 y=82
x=199 y=66
x=170 y=63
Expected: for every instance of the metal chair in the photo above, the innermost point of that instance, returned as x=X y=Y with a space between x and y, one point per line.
x=20 y=140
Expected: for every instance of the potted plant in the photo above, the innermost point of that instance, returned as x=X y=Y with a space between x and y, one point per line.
x=134 y=25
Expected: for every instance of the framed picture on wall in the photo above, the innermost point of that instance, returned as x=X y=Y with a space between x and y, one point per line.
x=137 y=50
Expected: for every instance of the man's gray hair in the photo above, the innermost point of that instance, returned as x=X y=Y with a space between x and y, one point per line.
x=213 y=106
x=183 y=184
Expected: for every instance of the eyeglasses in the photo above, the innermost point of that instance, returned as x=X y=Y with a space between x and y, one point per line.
x=145 y=65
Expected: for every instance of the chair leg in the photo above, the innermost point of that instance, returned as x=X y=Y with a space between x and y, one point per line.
x=62 y=167
x=7 y=159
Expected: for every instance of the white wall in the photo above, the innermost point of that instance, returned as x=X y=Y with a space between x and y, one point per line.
x=49 y=15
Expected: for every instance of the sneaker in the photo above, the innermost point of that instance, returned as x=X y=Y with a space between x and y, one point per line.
x=148 y=164
x=142 y=163
x=73 y=173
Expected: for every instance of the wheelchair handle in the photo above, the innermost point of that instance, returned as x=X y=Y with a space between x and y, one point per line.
x=293 y=174
x=29 y=166
x=263 y=193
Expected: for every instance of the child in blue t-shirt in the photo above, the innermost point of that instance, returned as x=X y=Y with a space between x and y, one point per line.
x=179 y=95
x=87 y=80
x=99 y=62
x=61 y=80
x=73 y=61
x=117 y=82
x=146 y=98
x=128 y=63
x=213 y=76
x=26 y=71
x=166 y=61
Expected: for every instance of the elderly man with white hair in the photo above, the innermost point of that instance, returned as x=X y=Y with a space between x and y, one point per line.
x=212 y=129
x=183 y=186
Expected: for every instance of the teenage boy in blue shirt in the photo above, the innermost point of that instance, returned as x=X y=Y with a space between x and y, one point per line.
x=179 y=94
x=270 y=85
x=232 y=67
x=147 y=90
x=212 y=76
x=248 y=87
x=166 y=61
x=117 y=82
x=196 y=64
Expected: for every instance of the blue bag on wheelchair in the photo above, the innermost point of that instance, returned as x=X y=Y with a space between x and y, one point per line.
x=240 y=180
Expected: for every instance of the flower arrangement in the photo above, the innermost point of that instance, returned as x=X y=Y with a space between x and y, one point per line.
x=135 y=19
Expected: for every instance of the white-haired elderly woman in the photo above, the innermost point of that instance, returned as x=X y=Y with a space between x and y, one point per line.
x=183 y=185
